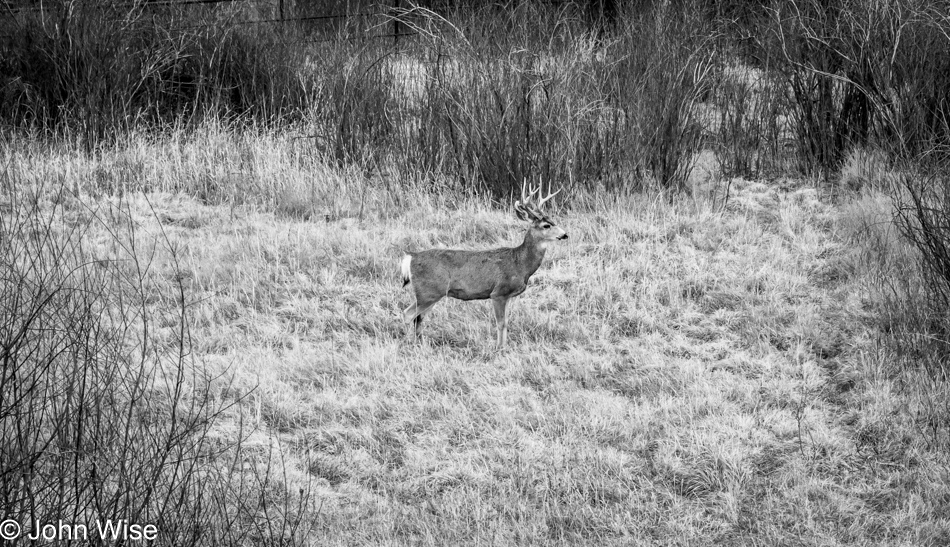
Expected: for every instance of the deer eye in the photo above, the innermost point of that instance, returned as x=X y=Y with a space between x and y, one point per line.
x=545 y=226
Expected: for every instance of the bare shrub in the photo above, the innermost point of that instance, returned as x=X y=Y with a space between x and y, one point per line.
x=863 y=73
x=508 y=92
x=923 y=214
x=748 y=135
x=104 y=413
x=353 y=100
x=901 y=246
x=666 y=71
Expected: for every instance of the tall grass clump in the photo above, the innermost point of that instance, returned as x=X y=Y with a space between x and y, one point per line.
x=104 y=412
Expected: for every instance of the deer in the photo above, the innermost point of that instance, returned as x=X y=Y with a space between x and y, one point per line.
x=497 y=274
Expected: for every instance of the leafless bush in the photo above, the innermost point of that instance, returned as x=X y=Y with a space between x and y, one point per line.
x=923 y=216
x=907 y=258
x=353 y=100
x=749 y=105
x=504 y=93
x=863 y=74
x=104 y=413
x=666 y=71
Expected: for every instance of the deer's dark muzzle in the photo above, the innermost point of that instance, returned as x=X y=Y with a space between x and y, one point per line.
x=563 y=236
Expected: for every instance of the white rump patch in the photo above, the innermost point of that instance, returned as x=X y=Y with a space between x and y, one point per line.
x=406 y=272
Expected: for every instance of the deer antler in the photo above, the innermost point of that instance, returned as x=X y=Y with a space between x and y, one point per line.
x=528 y=192
x=526 y=198
x=549 y=196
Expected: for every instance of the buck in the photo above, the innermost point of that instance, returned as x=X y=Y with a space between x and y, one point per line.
x=498 y=274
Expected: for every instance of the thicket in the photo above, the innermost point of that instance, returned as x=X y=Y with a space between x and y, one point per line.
x=484 y=95
x=589 y=93
x=90 y=71
x=487 y=94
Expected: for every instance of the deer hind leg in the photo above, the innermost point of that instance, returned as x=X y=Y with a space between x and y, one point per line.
x=420 y=311
x=414 y=313
x=410 y=313
x=501 y=326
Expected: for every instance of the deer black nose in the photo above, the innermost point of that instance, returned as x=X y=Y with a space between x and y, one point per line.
x=563 y=236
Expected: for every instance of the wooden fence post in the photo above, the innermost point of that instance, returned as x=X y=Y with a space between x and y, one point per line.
x=396 y=22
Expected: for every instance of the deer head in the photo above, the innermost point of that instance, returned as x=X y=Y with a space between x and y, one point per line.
x=529 y=209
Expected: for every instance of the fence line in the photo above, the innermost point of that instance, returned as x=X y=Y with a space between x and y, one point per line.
x=354 y=38
x=397 y=33
x=104 y=5
x=284 y=20
x=165 y=3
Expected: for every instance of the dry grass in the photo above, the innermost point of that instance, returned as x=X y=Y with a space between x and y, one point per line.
x=675 y=375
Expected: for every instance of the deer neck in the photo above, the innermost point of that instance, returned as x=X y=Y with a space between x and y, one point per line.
x=530 y=253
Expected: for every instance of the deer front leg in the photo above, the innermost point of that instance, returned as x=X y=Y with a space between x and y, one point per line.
x=499 y=303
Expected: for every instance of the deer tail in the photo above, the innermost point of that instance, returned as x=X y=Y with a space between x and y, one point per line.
x=406 y=272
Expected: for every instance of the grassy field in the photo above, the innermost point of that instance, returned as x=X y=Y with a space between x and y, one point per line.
x=677 y=373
